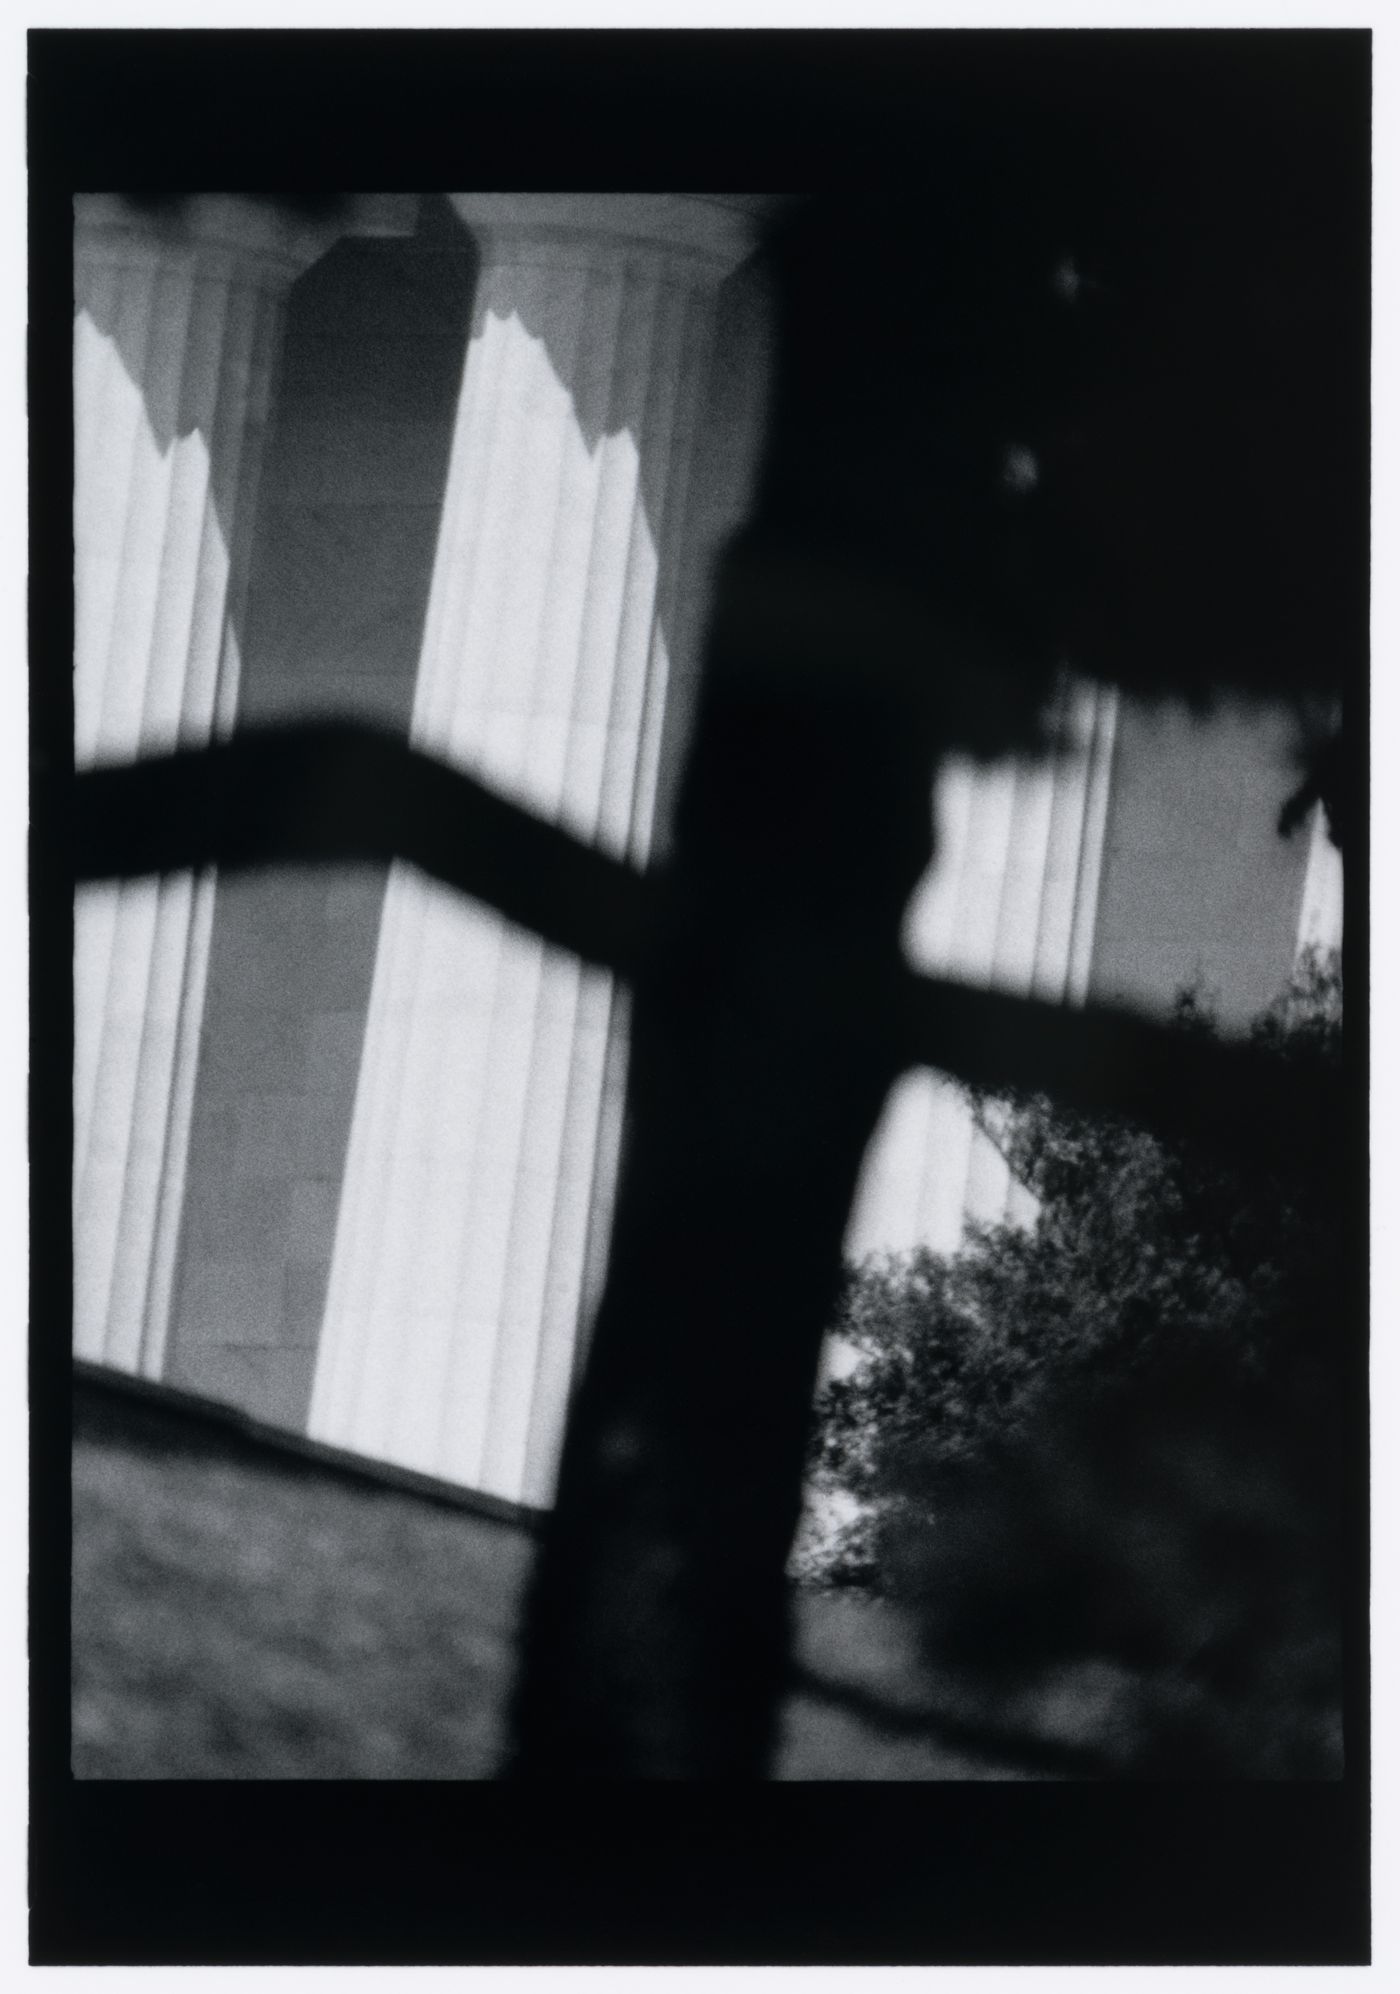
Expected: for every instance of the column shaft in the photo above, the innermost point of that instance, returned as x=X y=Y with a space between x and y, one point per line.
x=485 y=1115
x=1008 y=903
x=177 y=327
x=173 y=351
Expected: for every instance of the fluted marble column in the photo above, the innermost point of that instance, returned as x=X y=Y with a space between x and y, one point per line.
x=485 y=1125
x=1009 y=904
x=177 y=326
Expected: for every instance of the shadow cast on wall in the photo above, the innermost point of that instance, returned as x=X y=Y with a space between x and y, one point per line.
x=341 y=564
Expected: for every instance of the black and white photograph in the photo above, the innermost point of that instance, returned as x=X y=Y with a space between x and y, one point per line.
x=690 y=1117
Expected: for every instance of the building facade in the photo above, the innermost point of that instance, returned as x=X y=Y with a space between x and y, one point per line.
x=345 y=1144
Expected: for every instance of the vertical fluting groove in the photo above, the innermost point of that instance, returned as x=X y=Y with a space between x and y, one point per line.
x=100 y=524
x=1064 y=840
x=348 y=1396
x=621 y=740
x=607 y=1153
x=520 y=992
x=604 y=755
x=668 y=638
x=984 y=1195
x=571 y=1187
x=540 y=647
x=602 y=629
x=984 y=871
x=885 y=1212
x=559 y=1306
x=1086 y=899
x=105 y=295
x=410 y=970
x=104 y=555
x=901 y=1158
x=583 y=1254
x=155 y=1141
x=235 y=424
x=560 y=1287
x=266 y=306
x=126 y=998
x=165 y=346
x=149 y=1060
x=499 y=536
x=597 y=1022
x=979 y=900
x=482 y=400
x=541 y=1170
x=523 y=661
x=460 y=661
x=96 y=289
x=124 y=421
x=504 y=1436
x=187 y=501
x=972 y=905
x=1039 y=869
x=221 y=569
x=127 y=678
x=424 y=1095
x=946 y=1112
x=1023 y=895
x=573 y=609
x=194 y=397
x=181 y=589
x=95 y=911
x=1018 y=925
x=97 y=1242
x=99 y=1202
x=344 y=1380
x=151 y=927
x=156 y=1329
x=516 y=1285
x=507 y=717
x=491 y=1282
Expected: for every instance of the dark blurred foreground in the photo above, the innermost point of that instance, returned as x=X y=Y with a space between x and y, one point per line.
x=244 y=1611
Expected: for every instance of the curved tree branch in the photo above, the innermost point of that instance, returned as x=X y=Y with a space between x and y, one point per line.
x=325 y=791
x=1234 y=1097
x=341 y=790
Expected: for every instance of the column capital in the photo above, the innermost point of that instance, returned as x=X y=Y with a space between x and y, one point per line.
x=277 y=241
x=711 y=233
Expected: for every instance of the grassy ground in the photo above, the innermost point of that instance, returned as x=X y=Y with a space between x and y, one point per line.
x=240 y=1613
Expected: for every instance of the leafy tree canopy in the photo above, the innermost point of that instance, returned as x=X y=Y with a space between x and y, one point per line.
x=1107 y=1439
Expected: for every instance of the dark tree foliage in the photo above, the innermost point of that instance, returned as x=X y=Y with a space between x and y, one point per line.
x=1097 y=1456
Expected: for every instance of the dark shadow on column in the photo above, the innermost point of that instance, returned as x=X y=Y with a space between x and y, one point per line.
x=342 y=560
